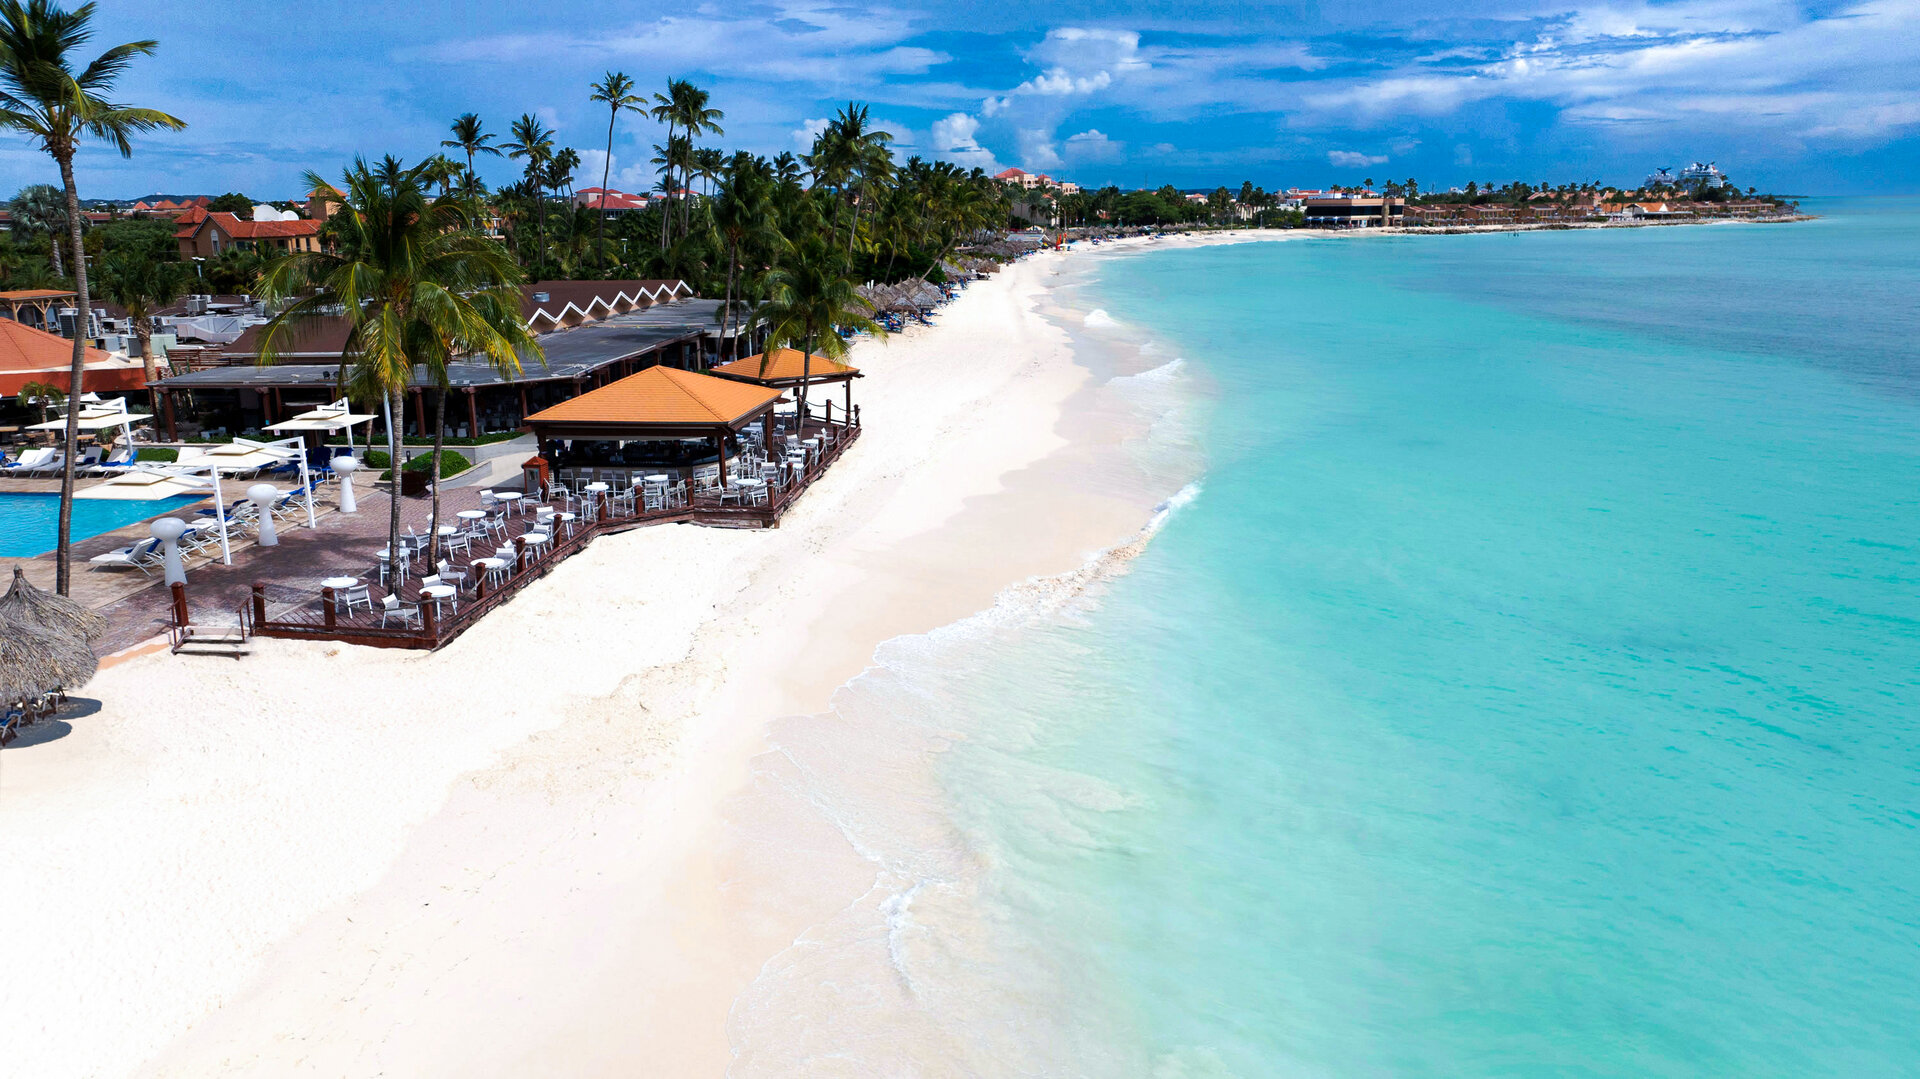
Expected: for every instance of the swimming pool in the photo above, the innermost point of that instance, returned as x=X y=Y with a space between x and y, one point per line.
x=30 y=523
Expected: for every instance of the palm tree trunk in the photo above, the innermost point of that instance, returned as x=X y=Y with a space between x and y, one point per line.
x=806 y=373
x=396 y=406
x=59 y=267
x=606 y=171
x=143 y=332
x=439 y=443
x=63 y=570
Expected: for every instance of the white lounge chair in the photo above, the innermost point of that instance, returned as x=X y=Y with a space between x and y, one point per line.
x=144 y=556
x=391 y=608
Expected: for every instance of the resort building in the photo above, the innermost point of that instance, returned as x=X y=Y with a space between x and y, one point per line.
x=614 y=202
x=1036 y=181
x=1351 y=211
x=205 y=235
x=28 y=355
x=168 y=208
x=592 y=333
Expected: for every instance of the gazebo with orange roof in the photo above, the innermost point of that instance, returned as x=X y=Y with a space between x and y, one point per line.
x=657 y=403
x=784 y=368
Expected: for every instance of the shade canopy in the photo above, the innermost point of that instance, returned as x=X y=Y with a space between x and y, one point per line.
x=97 y=417
x=786 y=367
x=659 y=402
x=240 y=455
x=333 y=417
x=146 y=485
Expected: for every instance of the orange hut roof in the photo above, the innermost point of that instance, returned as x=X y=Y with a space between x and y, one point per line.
x=784 y=366
x=659 y=401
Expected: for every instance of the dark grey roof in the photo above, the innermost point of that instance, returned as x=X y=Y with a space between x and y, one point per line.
x=570 y=354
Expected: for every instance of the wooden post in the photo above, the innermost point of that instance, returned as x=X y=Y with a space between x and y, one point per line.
x=473 y=412
x=419 y=421
x=523 y=403
x=173 y=428
x=519 y=551
x=847 y=412
x=327 y=612
x=259 y=604
x=179 y=604
x=829 y=413
x=430 y=620
x=720 y=449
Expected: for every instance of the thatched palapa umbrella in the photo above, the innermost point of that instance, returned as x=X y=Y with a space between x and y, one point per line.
x=33 y=663
x=25 y=605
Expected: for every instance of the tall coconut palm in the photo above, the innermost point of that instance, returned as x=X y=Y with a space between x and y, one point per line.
x=809 y=297
x=471 y=137
x=663 y=113
x=418 y=285
x=44 y=97
x=41 y=209
x=743 y=215
x=143 y=285
x=688 y=107
x=616 y=93
x=533 y=144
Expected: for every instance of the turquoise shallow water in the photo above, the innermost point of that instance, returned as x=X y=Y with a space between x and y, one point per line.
x=1530 y=688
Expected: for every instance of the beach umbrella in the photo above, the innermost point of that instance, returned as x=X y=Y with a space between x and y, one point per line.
x=30 y=665
x=26 y=605
x=71 y=664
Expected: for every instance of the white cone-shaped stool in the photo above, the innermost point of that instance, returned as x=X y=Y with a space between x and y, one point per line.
x=344 y=467
x=264 y=495
x=168 y=531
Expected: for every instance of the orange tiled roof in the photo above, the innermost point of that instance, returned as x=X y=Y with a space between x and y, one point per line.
x=785 y=365
x=189 y=223
x=30 y=355
x=664 y=396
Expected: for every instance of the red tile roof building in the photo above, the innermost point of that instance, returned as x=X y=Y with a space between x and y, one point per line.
x=206 y=235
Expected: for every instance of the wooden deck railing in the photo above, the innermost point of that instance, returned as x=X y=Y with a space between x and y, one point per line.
x=321 y=618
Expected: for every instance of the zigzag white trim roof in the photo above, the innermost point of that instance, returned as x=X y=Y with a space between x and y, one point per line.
x=651 y=295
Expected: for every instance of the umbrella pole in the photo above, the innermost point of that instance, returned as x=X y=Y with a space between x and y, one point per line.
x=220 y=514
x=306 y=482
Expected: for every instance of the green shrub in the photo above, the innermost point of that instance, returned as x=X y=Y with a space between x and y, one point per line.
x=158 y=454
x=451 y=463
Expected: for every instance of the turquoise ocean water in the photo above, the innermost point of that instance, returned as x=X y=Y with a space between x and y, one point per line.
x=1530 y=687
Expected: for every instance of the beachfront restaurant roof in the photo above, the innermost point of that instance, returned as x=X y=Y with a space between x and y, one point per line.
x=570 y=355
x=786 y=367
x=659 y=402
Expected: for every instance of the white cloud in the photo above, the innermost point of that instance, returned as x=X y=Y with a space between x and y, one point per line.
x=808 y=131
x=1037 y=150
x=1093 y=145
x=955 y=132
x=1705 y=67
x=1349 y=159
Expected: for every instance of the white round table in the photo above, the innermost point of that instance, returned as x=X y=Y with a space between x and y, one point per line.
x=337 y=583
x=436 y=593
x=472 y=515
x=597 y=488
x=447 y=530
x=661 y=479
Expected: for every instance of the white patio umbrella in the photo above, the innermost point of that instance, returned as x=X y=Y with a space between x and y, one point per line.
x=95 y=416
x=329 y=418
x=243 y=455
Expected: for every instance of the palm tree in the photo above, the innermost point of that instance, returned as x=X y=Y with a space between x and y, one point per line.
x=44 y=395
x=663 y=113
x=533 y=142
x=743 y=215
x=418 y=286
x=43 y=97
x=469 y=138
x=689 y=110
x=42 y=209
x=809 y=298
x=863 y=158
x=143 y=285
x=616 y=93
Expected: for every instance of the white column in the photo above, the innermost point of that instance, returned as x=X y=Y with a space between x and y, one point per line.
x=263 y=496
x=345 y=466
x=168 y=531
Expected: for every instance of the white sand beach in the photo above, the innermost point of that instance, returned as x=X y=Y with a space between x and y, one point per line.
x=503 y=858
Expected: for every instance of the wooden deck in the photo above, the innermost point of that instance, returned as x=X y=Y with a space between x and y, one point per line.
x=306 y=613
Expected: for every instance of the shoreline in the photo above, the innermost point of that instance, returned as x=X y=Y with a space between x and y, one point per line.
x=323 y=858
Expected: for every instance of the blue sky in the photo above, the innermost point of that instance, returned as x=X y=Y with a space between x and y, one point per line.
x=1803 y=98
